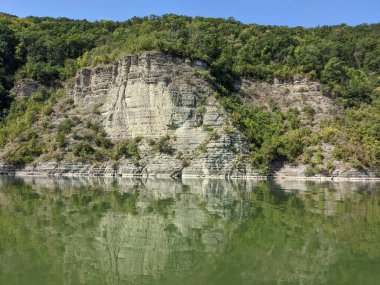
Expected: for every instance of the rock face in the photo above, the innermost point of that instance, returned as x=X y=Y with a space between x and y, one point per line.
x=153 y=95
x=296 y=94
x=6 y=169
x=149 y=95
x=24 y=88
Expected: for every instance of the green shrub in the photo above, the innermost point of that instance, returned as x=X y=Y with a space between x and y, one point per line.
x=214 y=135
x=102 y=141
x=329 y=134
x=61 y=140
x=200 y=111
x=100 y=155
x=272 y=135
x=127 y=149
x=309 y=111
x=83 y=150
x=96 y=127
x=48 y=111
x=291 y=145
x=319 y=156
x=68 y=124
x=40 y=95
x=330 y=166
x=292 y=117
x=163 y=145
x=310 y=171
x=25 y=153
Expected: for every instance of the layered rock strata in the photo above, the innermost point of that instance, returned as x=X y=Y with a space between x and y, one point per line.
x=152 y=95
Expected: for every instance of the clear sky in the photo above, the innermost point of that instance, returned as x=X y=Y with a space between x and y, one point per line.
x=307 y=13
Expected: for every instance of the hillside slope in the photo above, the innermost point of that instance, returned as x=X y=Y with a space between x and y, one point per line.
x=154 y=114
x=214 y=98
x=148 y=114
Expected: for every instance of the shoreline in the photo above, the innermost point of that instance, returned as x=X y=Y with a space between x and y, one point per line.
x=84 y=170
x=219 y=177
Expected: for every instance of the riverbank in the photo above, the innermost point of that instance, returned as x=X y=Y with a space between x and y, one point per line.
x=84 y=170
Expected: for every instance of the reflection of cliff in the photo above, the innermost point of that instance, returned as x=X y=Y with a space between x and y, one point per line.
x=171 y=235
x=123 y=231
x=151 y=229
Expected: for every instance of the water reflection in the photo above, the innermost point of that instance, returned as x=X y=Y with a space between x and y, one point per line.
x=125 y=231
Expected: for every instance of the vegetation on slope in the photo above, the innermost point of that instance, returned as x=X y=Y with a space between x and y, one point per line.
x=346 y=60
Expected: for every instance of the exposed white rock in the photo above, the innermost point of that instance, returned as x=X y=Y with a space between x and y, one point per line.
x=152 y=95
x=24 y=88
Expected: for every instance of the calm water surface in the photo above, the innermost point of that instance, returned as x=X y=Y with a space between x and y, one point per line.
x=122 y=231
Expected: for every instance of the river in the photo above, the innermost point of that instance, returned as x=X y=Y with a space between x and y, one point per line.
x=161 y=231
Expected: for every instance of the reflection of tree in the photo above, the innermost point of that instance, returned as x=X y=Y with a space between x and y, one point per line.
x=124 y=231
x=292 y=239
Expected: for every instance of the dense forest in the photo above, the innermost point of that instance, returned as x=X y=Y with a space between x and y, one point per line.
x=346 y=60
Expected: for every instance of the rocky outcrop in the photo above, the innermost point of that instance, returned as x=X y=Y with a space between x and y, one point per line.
x=7 y=169
x=24 y=88
x=296 y=94
x=291 y=172
x=152 y=95
x=148 y=95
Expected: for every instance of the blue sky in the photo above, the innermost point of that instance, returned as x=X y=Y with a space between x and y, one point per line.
x=307 y=13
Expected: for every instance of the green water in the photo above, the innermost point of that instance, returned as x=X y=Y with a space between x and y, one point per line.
x=123 y=231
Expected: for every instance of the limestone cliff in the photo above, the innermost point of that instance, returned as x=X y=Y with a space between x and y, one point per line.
x=152 y=95
x=147 y=95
